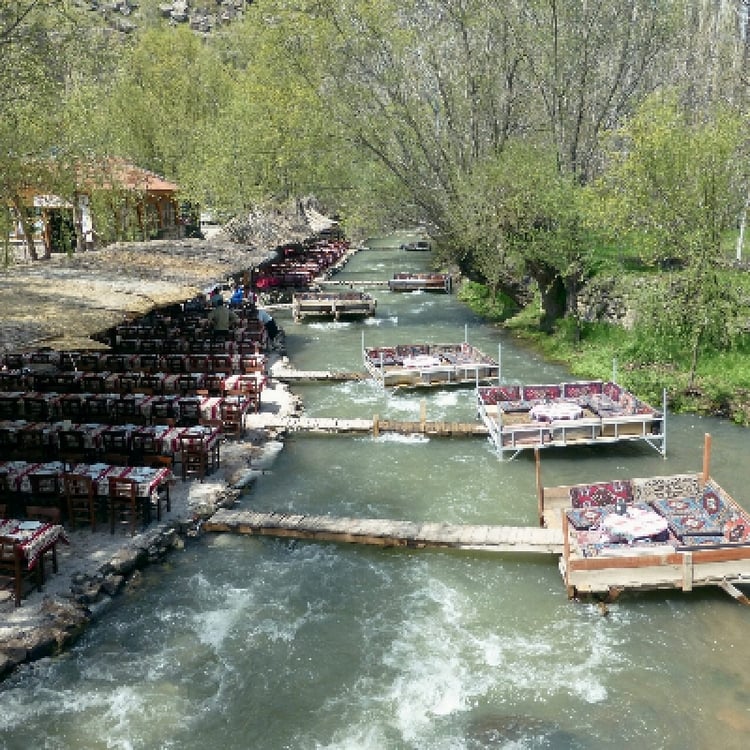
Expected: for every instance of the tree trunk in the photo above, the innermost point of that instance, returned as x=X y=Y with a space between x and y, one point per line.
x=28 y=229
x=552 y=292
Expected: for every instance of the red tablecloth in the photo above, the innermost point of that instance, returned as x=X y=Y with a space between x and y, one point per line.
x=33 y=537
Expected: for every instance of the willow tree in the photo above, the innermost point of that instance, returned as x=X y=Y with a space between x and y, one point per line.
x=525 y=219
x=673 y=188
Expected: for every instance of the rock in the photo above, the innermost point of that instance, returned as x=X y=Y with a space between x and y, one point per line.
x=113 y=584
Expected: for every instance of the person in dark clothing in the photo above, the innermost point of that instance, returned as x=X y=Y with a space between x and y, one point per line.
x=221 y=319
x=269 y=324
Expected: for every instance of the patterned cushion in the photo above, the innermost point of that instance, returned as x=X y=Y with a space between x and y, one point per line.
x=677 y=506
x=696 y=522
x=579 y=390
x=587 y=517
x=541 y=392
x=737 y=529
x=663 y=488
x=600 y=494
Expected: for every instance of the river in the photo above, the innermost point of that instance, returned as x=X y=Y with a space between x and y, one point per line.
x=241 y=642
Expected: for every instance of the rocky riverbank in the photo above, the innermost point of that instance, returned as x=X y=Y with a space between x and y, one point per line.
x=96 y=566
x=60 y=303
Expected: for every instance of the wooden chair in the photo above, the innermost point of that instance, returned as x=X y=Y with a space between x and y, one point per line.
x=189 y=413
x=44 y=381
x=9 y=443
x=232 y=418
x=127 y=411
x=72 y=408
x=71 y=447
x=128 y=382
x=33 y=445
x=116 y=447
x=96 y=409
x=247 y=387
x=94 y=382
x=176 y=363
x=151 y=384
x=36 y=409
x=13 y=380
x=125 y=507
x=67 y=382
x=11 y=407
x=119 y=362
x=46 y=492
x=188 y=384
x=89 y=362
x=194 y=457
x=80 y=494
x=144 y=448
x=163 y=411
x=13 y=568
x=9 y=496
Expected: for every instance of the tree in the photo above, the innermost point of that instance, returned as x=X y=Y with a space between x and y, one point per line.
x=523 y=218
x=674 y=186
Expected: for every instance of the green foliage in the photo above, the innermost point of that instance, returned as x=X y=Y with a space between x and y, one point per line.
x=480 y=298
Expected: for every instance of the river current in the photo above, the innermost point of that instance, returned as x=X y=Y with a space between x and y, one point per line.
x=241 y=642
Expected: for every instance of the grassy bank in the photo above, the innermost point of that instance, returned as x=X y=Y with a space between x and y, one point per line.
x=721 y=388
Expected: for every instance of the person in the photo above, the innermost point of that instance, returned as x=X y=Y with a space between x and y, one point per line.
x=216 y=297
x=221 y=318
x=237 y=298
x=272 y=330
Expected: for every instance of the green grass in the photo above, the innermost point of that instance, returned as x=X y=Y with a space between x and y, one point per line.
x=721 y=387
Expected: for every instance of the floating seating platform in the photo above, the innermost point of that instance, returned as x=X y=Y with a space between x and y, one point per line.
x=679 y=532
x=334 y=305
x=388 y=533
x=422 y=282
x=523 y=417
x=429 y=365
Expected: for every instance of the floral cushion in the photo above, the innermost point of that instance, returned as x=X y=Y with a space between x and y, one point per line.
x=600 y=494
x=586 y=518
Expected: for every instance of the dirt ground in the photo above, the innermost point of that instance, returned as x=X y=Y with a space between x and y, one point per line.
x=60 y=302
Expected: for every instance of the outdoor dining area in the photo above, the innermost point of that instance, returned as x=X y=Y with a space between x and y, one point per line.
x=94 y=440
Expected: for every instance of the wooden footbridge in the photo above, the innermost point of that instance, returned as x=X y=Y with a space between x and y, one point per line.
x=388 y=533
x=374 y=426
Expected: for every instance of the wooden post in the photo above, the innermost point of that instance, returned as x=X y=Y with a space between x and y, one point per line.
x=375 y=426
x=422 y=414
x=566 y=553
x=539 y=488
x=706 y=457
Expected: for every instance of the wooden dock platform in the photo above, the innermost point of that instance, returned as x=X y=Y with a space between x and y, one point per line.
x=388 y=533
x=374 y=426
x=336 y=305
x=310 y=376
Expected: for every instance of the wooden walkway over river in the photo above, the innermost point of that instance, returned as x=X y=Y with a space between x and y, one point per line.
x=389 y=533
x=374 y=426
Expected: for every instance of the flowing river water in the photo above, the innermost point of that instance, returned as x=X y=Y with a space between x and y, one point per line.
x=243 y=642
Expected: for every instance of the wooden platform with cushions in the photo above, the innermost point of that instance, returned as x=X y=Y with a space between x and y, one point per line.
x=521 y=417
x=677 y=531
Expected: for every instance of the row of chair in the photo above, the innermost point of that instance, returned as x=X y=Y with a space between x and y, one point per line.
x=73 y=499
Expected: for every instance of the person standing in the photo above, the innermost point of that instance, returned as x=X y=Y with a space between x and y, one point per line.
x=272 y=330
x=221 y=319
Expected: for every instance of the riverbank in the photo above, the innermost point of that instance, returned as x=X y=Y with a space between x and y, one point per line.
x=60 y=303
x=95 y=567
